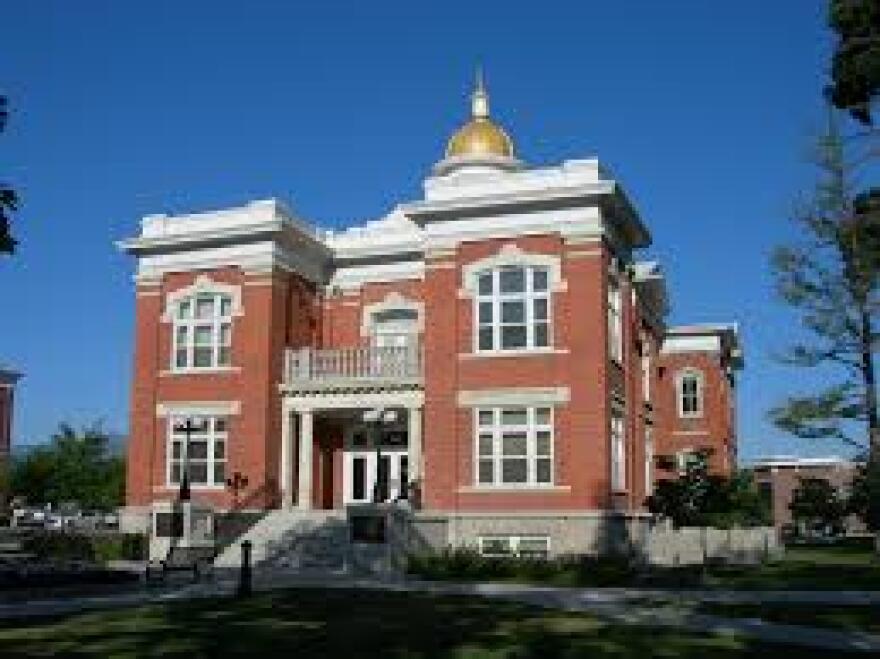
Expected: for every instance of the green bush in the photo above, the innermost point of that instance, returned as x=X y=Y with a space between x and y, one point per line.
x=468 y=565
x=96 y=548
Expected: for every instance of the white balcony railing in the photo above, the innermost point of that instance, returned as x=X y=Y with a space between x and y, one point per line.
x=353 y=364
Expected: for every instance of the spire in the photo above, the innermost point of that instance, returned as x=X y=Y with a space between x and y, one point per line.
x=480 y=98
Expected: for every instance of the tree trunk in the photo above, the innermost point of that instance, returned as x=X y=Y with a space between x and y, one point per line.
x=870 y=386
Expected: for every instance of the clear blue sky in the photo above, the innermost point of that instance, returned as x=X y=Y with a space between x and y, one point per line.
x=703 y=110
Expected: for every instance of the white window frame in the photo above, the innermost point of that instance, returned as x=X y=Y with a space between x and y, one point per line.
x=514 y=543
x=496 y=430
x=187 y=322
x=649 y=460
x=698 y=394
x=615 y=319
x=215 y=432
x=646 y=369
x=528 y=297
x=618 y=450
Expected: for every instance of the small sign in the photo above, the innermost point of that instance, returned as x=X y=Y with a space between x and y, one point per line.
x=368 y=529
x=169 y=525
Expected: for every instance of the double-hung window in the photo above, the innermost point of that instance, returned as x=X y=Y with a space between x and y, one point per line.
x=514 y=446
x=618 y=452
x=202 y=331
x=513 y=308
x=198 y=444
x=615 y=320
x=690 y=394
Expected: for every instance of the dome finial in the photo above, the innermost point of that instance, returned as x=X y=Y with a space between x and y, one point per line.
x=480 y=97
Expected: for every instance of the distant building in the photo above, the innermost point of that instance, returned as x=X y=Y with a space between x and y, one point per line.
x=778 y=478
x=8 y=378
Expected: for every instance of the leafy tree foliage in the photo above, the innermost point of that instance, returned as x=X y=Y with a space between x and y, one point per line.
x=8 y=198
x=831 y=276
x=75 y=466
x=864 y=498
x=855 y=65
x=698 y=498
x=816 y=503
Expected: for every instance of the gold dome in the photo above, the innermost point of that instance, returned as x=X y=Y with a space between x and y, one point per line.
x=480 y=136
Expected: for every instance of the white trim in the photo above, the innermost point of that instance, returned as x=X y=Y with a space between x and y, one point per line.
x=700 y=394
x=512 y=255
x=355 y=400
x=513 y=489
x=211 y=437
x=496 y=431
x=212 y=370
x=514 y=397
x=199 y=408
x=203 y=284
x=533 y=352
x=391 y=301
x=514 y=540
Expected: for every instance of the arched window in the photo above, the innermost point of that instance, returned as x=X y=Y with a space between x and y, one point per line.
x=690 y=393
x=202 y=331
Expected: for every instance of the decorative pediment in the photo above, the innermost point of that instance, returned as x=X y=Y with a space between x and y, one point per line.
x=511 y=254
x=202 y=284
x=393 y=301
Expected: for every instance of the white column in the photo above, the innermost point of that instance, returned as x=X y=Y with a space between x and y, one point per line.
x=304 y=498
x=286 y=475
x=414 y=439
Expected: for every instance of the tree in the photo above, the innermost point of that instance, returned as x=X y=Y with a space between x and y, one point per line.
x=75 y=466
x=816 y=504
x=830 y=276
x=698 y=498
x=8 y=198
x=855 y=64
x=864 y=500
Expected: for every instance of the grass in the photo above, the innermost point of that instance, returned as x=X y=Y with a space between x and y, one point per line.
x=846 y=567
x=851 y=618
x=329 y=623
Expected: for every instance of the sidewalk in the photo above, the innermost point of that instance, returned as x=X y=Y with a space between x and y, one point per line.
x=622 y=606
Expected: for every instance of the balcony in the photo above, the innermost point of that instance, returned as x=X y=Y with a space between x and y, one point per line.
x=353 y=367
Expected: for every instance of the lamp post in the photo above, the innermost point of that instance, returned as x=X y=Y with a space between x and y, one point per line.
x=377 y=417
x=188 y=427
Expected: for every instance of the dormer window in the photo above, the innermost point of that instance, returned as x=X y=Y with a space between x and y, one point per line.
x=202 y=331
x=513 y=308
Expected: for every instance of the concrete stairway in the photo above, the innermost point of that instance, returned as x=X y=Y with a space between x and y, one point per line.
x=294 y=540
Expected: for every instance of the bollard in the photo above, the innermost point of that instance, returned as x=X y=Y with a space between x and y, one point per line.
x=244 y=579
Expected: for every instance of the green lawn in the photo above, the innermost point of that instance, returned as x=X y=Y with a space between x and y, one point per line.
x=852 y=618
x=330 y=623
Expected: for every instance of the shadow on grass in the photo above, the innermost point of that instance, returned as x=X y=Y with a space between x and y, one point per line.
x=334 y=623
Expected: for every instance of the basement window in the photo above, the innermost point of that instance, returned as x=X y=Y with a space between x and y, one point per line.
x=520 y=546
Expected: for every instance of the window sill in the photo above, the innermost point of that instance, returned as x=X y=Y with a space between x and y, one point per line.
x=529 y=352
x=510 y=489
x=194 y=488
x=214 y=370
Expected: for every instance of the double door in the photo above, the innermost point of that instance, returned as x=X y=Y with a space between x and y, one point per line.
x=375 y=477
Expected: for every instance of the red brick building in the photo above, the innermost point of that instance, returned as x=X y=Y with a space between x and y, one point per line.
x=778 y=477
x=499 y=339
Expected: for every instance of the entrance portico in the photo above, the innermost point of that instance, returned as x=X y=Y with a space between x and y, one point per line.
x=395 y=466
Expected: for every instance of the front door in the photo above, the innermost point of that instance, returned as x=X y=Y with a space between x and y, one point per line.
x=364 y=471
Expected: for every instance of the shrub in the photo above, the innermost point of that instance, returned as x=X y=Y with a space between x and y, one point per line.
x=97 y=548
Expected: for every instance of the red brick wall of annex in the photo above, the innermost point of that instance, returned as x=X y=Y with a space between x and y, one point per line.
x=579 y=363
x=715 y=428
x=276 y=314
